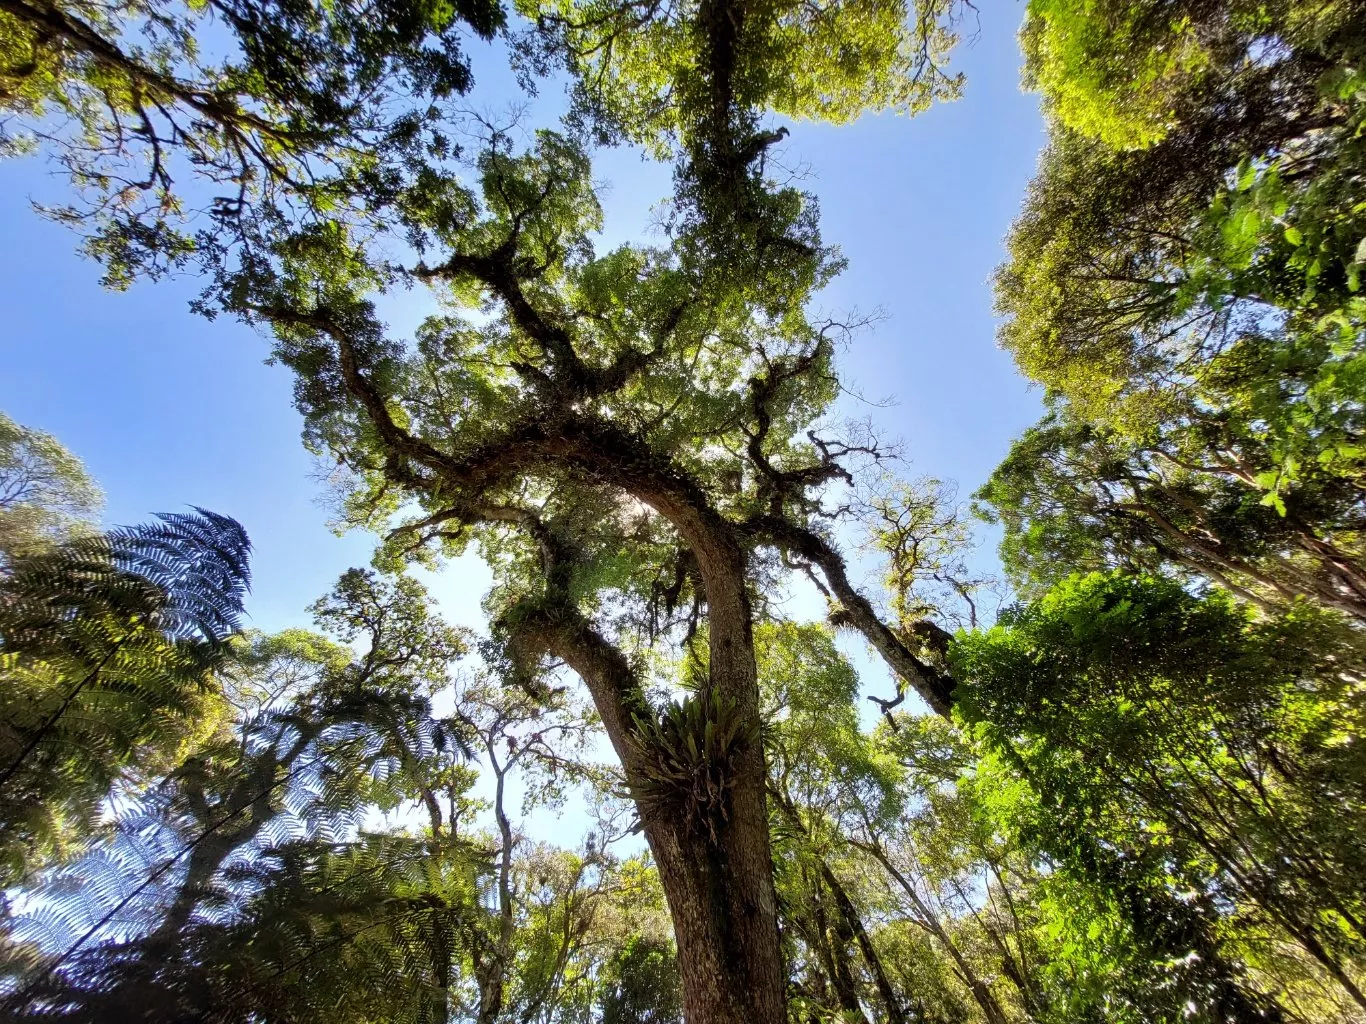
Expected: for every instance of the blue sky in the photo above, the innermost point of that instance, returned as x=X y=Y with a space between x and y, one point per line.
x=167 y=409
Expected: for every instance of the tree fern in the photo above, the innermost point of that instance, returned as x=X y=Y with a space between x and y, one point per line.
x=107 y=646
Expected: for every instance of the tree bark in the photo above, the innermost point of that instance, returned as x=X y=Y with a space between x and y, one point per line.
x=719 y=888
x=865 y=943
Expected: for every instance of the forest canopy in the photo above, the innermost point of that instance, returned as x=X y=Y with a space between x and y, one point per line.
x=1132 y=793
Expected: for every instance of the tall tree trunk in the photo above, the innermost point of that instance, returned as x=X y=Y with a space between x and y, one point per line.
x=717 y=911
x=853 y=922
x=834 y=956
x=720 y=887
x=865 y=944
x=718 y=880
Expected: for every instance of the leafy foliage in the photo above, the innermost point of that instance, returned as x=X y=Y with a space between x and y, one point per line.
x=1183 y=756
x=197 y=129
x=1138 y=798
x=45 y=493
x=1184 y=281
x=107 y=645
x=641 y=985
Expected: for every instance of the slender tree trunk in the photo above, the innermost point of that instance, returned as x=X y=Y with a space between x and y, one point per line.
x=834 y=959
x=834 y=951
x=853 y=922
x=981 y=991
x=491 y=967
x=865 y=944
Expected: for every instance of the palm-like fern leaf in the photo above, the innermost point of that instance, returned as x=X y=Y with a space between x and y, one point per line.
x=186 y=576
x=106 y=648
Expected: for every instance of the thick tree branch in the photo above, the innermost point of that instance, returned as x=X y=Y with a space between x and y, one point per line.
x=934 y=687
x=497 y=272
